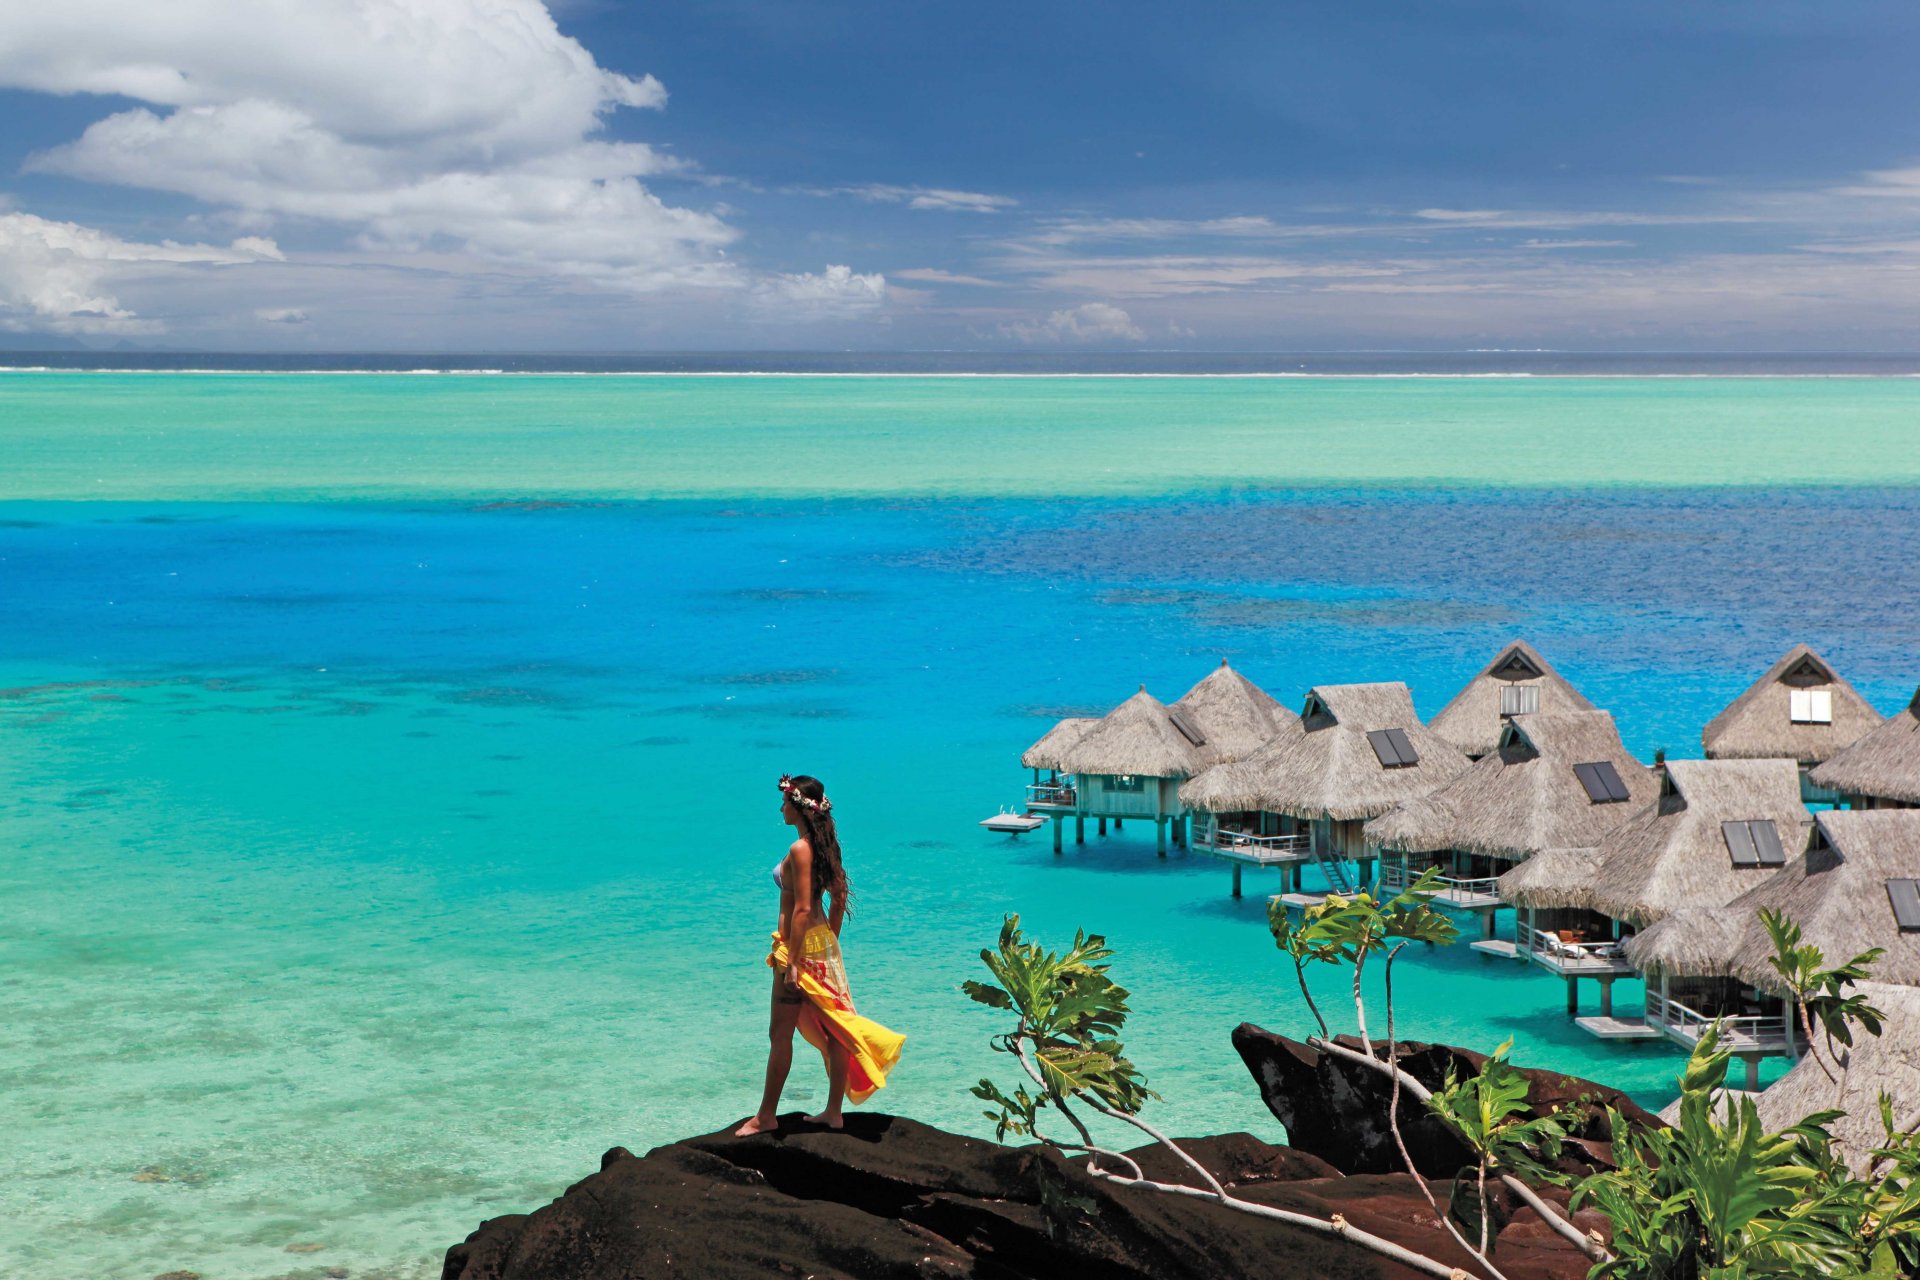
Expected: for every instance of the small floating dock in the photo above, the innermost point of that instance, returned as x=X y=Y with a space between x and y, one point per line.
x=1014 y=824
x=1500 y=948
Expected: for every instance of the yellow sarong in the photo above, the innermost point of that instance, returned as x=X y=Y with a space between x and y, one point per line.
x=872 y=1050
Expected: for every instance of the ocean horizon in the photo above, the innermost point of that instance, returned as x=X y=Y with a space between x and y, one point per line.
x=389 y=762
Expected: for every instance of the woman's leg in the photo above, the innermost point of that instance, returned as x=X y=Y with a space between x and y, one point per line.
x=780 y=1025
x=837 y=1061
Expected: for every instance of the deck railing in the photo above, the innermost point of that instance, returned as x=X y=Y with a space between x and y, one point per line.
x=1287 y=848
x=1396 y=877
x=1750 y=1030
x=1564 y=955
x=1051 y=795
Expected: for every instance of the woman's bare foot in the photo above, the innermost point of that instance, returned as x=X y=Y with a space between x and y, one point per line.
x=833 y=1120
x=759 y=1124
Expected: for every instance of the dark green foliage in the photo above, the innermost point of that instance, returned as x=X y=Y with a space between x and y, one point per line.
x=1070 y=1016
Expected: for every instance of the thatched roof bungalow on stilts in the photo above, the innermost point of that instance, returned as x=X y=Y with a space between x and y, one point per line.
x=1130 y=762
x=1360 y=751
x=1888 y=1063
x=1552 y=781
x=1801 y=710
x=1855 y=886
x=1517 y=682
x=1882 y=769
x=1716 y=829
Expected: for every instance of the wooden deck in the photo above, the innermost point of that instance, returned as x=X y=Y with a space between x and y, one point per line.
x=1500 y=948
x=1618 y=1028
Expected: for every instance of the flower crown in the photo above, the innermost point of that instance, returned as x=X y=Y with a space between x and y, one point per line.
x=793 y=793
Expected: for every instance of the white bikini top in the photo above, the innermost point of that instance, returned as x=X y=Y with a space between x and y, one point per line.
x=780 y=873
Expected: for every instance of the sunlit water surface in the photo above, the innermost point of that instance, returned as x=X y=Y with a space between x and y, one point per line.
x=371 y=866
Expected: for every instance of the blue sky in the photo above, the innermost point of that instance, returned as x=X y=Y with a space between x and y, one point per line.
x=498 y=174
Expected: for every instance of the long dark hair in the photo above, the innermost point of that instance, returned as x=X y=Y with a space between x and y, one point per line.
x=829 y=873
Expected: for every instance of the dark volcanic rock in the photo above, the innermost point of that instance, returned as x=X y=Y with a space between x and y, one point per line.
x=889 y=1197
x=1337 y=1110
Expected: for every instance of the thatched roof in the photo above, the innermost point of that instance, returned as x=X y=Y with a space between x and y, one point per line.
x=1673 y=853
x=1836 y=891
x=1525 y=795
x=1237 y=716
x=1472 y=721
x=1048 y=752
x=1884 y=763
x=1758 y=725
x=1137 y=737
x=1889 y=1062
x=1330 y=769
x=1552 y=878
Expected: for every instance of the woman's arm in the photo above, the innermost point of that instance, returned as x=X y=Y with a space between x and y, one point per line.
x=800 y=881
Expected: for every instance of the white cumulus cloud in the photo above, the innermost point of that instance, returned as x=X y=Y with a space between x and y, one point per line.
x=837 y=291
x=1088 y=322
x=464 y=125
x=58 y=276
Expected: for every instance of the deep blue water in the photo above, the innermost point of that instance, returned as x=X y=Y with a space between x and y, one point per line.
x=375 y=866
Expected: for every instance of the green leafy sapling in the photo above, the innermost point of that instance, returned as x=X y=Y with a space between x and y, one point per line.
x=1490 y=1112
x=1820 y=995
x=1349 y=928
x=1068 y=1018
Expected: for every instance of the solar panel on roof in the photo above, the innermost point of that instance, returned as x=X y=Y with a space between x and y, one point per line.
x=1400 y=744
x=1905 y=897
x=1766 y=841
x=1389 y=750
x=1616 y=789
x=1188 y=728
x=1602 y=781
x=1740 y=844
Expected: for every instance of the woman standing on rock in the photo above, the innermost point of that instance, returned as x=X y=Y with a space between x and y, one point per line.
x=810 y=988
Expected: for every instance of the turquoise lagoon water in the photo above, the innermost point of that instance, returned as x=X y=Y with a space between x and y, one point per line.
x=386 y=764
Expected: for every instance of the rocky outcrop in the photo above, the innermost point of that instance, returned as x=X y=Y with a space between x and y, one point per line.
x=1337 y=1109
x=890 y=1197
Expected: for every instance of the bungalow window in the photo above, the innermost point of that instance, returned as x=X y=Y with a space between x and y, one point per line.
x=1602 y=782
x=1905 y=897
x=1519 y=699
x=1754 y=844
x=1392 y=747
x=1810 y=706
x=1126 y=782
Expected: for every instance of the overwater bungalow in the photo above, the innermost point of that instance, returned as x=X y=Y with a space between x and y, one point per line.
x=1716 y=829
x=1854 y=886
x=1517 y=682
x=1888 y=1063
x=1553 y=781
x=1130 y=763
x=1882 y=769
x=1360 y=751
x=1801 y=710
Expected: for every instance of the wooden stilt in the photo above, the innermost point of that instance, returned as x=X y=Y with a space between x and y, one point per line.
x=1753 y=1073
x=1606 y=997
x=1057 y=824
x=1103 y=826
x=1079 y=830
x=1488 y=916
x=1573 y=996
x=1160 y=836
x=1236 y=879
x=1117 y=824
